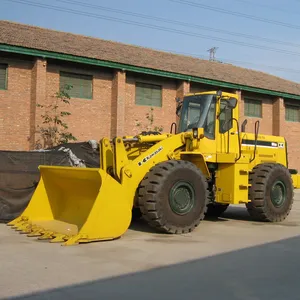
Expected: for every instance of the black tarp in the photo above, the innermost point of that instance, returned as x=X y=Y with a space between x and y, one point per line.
x=19 y=173
x=84 y=151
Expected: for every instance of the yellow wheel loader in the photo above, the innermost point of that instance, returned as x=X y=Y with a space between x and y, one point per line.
x=173 y=180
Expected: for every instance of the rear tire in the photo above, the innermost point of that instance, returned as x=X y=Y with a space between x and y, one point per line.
x=271 y=193
x=173 y=197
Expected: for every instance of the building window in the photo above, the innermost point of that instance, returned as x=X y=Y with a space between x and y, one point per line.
x=3 y=77
x=82 y=85
x=253 y=108
x=292 y=113
x=148 y=94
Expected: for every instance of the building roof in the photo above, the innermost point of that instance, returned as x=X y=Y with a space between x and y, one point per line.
x=32 y=37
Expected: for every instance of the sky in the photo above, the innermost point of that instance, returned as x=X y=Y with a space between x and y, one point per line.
x=262 y=35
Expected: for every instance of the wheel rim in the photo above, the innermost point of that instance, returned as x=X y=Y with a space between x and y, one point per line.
x=278 y=193
x=182 y=198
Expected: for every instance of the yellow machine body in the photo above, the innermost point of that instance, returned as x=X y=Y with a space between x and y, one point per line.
x=77 y=205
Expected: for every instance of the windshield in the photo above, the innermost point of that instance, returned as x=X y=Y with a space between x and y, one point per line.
x=197 y=112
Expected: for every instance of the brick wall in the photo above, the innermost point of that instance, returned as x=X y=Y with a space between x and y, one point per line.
x=38 y=96
x=118 y=104
x=265 y=122
x=90 y=118
x=291 y=131
x=163 y=116
x=112 y=110
x=15 y=106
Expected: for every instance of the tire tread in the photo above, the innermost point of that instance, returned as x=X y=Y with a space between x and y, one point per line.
x=148 y=204
x=258 y=178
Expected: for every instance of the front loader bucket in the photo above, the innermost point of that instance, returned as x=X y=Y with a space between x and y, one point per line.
x=73 y=205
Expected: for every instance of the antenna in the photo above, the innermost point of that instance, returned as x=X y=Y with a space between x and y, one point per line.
x=212 y=52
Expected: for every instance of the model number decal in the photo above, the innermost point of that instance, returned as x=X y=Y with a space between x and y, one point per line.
x=150 y=156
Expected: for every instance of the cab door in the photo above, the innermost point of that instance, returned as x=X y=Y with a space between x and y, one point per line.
x=227 y=133
x=208 y=145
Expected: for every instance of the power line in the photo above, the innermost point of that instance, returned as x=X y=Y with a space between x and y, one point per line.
x=269 y=7
x=234 y=13
x=167 y=29
x=225 y=60
x=87 y=5
x=204 y=57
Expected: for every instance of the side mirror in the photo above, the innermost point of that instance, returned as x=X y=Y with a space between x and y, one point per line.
x=178 y=108
x=179 y=105
x=232 y=102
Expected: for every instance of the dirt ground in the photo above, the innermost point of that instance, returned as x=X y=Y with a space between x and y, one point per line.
x=229 y=258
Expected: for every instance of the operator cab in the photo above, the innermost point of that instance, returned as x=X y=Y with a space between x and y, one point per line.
x=199 y=111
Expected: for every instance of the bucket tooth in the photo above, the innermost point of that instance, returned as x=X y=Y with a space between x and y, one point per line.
x=24 y=227
x=17 y=220
x=34 y=231
x=59 y=238
x=47 y=235
x=34 y=234
x=72 y=240
x=16 y=226
x=35 y=228
x=19 y=225
x=28 y=229
x=25 y=231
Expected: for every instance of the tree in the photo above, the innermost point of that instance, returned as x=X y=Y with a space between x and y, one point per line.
x=150 y=118
x=54 y=130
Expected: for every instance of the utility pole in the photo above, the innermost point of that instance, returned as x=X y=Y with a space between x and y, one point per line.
x=212 y=52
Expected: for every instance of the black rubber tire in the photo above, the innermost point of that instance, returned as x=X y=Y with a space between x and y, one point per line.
x=154 y=199
x=262 y=178
x=215 y=209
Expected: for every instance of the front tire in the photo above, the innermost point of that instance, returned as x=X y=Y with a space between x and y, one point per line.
x=271 y=193
x=173 y=196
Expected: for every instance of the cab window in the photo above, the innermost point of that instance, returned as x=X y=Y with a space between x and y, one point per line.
x=209 y=125
x=225 y=118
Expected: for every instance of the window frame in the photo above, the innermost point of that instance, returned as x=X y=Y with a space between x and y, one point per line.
x=225 y=113
x=70 y=74
x=258 y=101
x=5 y=77
x=213 y=113
x=142 y=84
x=292 y=106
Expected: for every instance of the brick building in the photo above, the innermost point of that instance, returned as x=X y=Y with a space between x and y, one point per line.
x=114 y=85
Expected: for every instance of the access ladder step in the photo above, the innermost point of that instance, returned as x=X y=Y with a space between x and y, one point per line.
x=244 y=172
x=244 y=187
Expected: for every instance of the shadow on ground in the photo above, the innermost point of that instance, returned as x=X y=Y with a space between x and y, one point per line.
x=237 y=213
x=269 y=271
x=240 y=213
x=232 y=213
